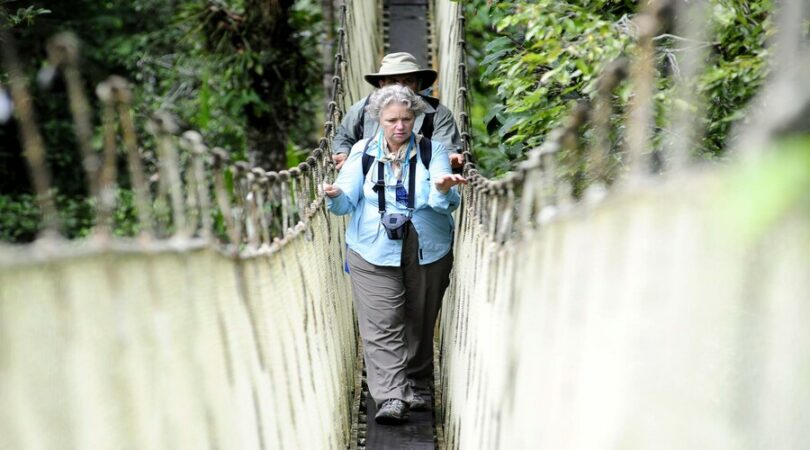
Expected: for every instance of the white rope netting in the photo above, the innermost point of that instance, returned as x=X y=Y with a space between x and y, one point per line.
x=183 y=343
x=665 y=314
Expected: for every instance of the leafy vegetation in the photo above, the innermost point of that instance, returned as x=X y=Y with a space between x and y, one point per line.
x=20 y=216
x=537 y=59
x=245 y=73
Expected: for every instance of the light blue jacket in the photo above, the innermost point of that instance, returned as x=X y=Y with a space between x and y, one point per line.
x=431 y=218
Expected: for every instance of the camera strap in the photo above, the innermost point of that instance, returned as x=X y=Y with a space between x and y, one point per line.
x=379 y=185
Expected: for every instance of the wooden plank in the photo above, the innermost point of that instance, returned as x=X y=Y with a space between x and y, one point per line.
x=416 y=434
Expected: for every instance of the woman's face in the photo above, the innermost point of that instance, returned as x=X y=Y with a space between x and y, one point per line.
x=397 y=123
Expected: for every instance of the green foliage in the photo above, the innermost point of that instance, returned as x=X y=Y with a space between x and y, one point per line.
x=540 y=58
x=194 y=58
x=20 y=217
x=738 y=65
x=242 y=73
x=537 y=59
x=22 y=16
x=112 y=37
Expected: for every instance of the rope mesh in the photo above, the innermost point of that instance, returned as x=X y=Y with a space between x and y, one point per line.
x=180 y=349
x=182 y=339
x=644 y=320
x=363 y=47
x=651 y=316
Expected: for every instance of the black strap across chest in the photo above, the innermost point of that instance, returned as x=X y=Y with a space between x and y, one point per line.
x=425 y=154
x=379 y=185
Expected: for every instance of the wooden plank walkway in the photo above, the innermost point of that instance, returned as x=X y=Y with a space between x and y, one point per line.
x=416 y=434
x=407 y=31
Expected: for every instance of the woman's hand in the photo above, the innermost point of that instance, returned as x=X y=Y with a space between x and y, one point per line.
x=331 y=190
x=445 y=182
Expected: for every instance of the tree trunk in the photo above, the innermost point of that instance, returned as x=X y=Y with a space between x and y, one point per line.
x=269 y=33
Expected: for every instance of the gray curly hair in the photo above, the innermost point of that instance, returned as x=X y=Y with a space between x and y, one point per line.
x=394 y=94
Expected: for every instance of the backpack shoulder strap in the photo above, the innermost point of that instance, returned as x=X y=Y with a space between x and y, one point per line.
x=379 y=187
x=367 y=159
x=425 y=151
x=433 y=101
x=358 y=127
x=427 y=123
x=412 y=181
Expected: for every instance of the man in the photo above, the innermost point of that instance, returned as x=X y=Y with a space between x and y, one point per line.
x=435 y=123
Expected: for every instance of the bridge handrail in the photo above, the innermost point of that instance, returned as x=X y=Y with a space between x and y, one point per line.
x=182 y=337
x=648 y=312
x=633 y=158
x=261 y=210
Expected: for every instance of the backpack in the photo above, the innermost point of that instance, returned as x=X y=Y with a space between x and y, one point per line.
x=427 y=124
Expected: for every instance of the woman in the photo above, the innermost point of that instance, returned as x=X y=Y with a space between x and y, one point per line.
x=400 y=195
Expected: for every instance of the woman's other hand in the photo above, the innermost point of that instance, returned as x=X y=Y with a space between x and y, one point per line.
x=445 y=182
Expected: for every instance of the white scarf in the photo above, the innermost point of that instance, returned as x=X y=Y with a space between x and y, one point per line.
x=396 y=158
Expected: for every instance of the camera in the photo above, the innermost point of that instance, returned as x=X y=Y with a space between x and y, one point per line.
x=395 y=225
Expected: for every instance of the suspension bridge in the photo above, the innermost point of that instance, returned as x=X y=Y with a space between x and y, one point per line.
x=662 y=309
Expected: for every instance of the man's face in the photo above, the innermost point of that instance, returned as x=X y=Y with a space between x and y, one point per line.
x=409 y=81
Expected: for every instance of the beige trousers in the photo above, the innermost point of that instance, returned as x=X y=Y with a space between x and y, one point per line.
x=397 y=309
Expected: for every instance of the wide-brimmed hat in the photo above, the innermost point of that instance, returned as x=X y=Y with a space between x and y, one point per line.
x=401 y=63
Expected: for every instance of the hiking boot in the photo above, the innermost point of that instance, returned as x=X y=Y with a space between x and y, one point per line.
x=392 y=412
x=421 y=402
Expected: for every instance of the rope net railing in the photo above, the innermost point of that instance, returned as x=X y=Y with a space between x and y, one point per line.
x=650 y=310
x=226 y=323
